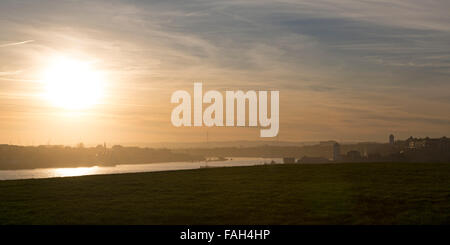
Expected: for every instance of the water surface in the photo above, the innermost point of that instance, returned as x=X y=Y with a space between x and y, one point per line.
x=130 y=168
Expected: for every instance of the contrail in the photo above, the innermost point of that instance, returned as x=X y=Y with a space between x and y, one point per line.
x=16 y=43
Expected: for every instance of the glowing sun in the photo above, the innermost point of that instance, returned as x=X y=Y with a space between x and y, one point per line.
x=72 y=84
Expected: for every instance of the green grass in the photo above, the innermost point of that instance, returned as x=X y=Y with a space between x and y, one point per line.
x=366 y=193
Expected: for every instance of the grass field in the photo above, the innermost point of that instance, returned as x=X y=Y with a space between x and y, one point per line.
x=366 y=193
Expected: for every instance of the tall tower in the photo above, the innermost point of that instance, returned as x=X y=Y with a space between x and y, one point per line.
x=336 y=151
x=391 y=139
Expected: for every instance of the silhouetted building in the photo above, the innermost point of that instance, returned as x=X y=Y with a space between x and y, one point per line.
x=336 y=151
x=353 y=156
x=391 y=139
x=442 y=144
x=413 y=143
x=422 y=150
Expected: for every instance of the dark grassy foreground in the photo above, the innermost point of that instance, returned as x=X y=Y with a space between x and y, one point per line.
x=402 y=193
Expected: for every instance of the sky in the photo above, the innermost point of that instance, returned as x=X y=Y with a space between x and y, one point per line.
x=346 y=70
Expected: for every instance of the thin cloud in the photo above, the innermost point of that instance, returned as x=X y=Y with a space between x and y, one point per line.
x=15 y=43
x=8 y=73
x=16 y=79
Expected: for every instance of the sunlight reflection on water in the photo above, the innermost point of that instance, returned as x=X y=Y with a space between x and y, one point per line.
x=66 y=172
x=130 y=168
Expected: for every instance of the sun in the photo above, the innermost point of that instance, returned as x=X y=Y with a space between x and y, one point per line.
x=72 y=84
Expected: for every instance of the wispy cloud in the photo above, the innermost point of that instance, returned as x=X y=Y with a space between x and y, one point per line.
x=367 y=55
x=15 y=43
x=9 y=73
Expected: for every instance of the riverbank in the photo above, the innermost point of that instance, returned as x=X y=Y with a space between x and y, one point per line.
x=369 y=193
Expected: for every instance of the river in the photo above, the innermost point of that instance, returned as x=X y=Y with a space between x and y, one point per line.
x=40 y=173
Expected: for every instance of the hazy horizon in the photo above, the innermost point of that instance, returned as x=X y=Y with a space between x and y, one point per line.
x=346 y=70
x=209 y=144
